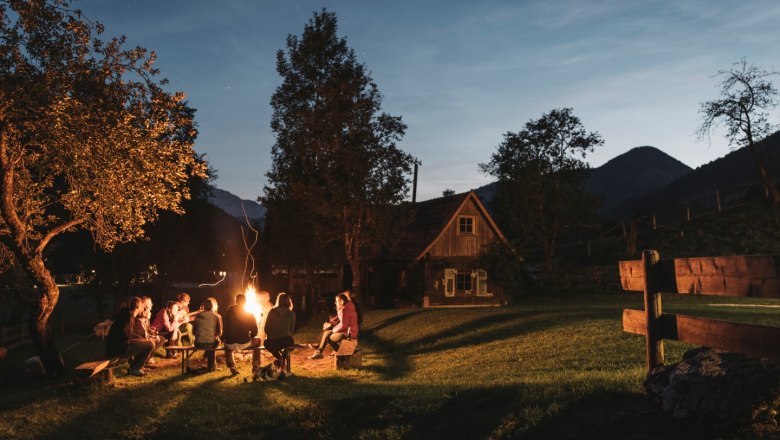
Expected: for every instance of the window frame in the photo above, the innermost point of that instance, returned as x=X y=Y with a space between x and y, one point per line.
x=473 y=221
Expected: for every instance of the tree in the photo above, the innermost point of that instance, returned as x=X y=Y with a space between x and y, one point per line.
x=746 y=97
x=88 y=139
x=540 y=192
x=335 y=154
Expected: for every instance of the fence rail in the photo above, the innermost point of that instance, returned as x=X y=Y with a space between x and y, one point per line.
x=742 y=275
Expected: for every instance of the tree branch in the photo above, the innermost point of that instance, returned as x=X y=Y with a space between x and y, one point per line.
x=55 y=231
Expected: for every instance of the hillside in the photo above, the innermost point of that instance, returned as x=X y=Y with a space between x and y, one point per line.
x=733 y=175
x=633 y=174
x=232 y=204
x=629 y=176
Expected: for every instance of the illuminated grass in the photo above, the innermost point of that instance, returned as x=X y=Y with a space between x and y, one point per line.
x=547 y=367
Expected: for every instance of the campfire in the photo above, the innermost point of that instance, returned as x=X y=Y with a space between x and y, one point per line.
x=254 y=303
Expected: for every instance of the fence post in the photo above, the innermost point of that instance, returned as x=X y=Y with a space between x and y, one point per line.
x=687 y=212
x=717 y=197
x=654 y=342
x=654 y=221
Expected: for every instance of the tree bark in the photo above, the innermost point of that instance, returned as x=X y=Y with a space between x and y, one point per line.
x=39 y=317
x=774 y=194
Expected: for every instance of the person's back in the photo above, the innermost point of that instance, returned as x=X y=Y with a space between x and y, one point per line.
x=240 y=325
x=207 y=326
x=240 y=331
x=348 y=320
x=280 y=323
x=117 y=339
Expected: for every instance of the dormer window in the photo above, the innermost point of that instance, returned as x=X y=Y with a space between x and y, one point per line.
x=466 y=224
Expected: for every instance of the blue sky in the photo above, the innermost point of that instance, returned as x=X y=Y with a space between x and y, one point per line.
x=460 y=73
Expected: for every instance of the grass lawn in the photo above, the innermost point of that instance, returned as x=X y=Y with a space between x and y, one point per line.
x=546 y=367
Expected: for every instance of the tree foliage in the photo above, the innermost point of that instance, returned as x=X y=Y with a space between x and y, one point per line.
x=335 y=155
x=88 y=139
x=541 y=172
x=746 y=98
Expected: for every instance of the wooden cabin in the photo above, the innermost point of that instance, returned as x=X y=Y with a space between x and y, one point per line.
x=437 y=261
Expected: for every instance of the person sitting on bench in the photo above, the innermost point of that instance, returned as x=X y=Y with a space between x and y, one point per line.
x=348 y=325
x=279 y=328
x=121 y=342
x=240 y=334
x=165 y=325
x=208 y=329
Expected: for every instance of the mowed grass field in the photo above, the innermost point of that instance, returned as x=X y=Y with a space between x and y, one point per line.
x=546 y=367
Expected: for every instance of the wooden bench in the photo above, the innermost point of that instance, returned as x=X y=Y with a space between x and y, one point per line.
x=88 y=370
x=188 y=350
x=348 y=356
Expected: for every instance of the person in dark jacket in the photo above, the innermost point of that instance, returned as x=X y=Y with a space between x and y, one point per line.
x=279 y=328
x=121 y=341
x=240 y=333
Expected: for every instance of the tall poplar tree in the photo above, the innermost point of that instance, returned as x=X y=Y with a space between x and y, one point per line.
x=336 y=156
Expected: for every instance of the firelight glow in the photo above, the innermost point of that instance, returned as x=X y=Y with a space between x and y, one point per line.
x=253 y=305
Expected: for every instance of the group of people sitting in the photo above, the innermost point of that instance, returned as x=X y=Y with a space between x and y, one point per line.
x=135 y=335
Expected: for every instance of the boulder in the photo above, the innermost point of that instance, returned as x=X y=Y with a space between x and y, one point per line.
x=714 y=385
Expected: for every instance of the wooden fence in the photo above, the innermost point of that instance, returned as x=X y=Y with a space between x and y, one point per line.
x=744 y=275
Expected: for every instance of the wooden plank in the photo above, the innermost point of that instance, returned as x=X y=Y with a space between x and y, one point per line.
x=632 y=275
x=741 y=275
x=89 y=369
x=634 y=321
x=749 y=339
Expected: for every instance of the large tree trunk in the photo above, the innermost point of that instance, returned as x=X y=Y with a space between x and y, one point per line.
x=48 y=295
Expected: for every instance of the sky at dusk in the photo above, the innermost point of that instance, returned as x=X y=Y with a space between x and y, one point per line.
x=460 y=73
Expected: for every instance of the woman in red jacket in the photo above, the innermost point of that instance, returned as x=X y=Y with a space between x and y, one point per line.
x=347 y=326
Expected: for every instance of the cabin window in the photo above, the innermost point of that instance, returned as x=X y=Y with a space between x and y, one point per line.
x=466 y=224
x=464 y=282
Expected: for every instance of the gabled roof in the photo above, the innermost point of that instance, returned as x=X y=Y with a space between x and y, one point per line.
x=432 y=218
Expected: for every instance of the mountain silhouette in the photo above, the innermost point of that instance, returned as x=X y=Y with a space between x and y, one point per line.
x=624 y=178
x=632 y=175
x=733 y=176
x=232 y=204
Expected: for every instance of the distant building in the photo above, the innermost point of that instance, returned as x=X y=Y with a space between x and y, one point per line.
x=438 y=258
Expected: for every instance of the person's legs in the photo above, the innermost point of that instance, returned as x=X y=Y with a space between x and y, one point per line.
x=334 y=340
x=211 y=355
x=138 y=351
x=325 y=337
x=230 y=348
x=256 y=343
x=186 y=330
x=275 y=346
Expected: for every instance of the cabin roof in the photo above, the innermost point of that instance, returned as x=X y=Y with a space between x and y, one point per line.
x=432 y=217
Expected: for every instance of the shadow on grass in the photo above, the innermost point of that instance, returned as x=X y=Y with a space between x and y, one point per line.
x=492 y=328
x=626 y=415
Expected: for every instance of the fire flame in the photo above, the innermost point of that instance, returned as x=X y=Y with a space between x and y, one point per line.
x=253 y=304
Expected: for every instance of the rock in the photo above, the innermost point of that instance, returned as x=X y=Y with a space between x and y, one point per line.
x=713 y=384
